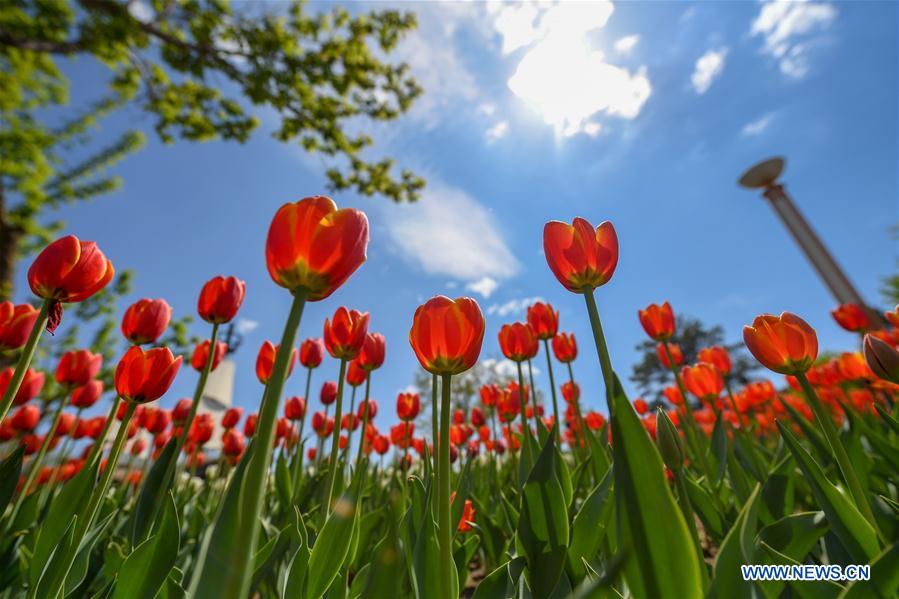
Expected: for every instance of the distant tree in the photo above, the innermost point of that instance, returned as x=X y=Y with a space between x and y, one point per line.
x=692 y=335
x=196 y=67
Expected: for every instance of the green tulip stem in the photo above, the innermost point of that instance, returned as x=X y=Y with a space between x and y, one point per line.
x=334 y=457
x=552 y=386
x=446 y=534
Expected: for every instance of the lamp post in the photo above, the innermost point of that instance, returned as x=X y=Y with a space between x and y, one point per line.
x=764 y=176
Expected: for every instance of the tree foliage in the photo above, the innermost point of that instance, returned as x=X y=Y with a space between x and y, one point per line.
x=201 y=70
x=692 y=335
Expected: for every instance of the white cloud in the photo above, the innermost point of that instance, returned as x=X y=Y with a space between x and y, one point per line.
x=485 y=286
x=627 y=43
x=448 y=232
x=505 y=369
x=781 y=22
x=592 y=128
x=709 y=66
x=497 y=131
x=245 y=325
x=512 y=307
x=758 y=126
x=140 y=11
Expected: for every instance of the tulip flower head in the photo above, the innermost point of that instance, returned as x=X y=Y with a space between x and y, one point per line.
x=893 y=317
x=784 y=344
x=676 y=355
x=328 y=393
x=657 y=321
x=544 y=320
x=355 y=375
x=220 y=299
x=718 y=357
x=371 y=357
x=570 y=391
x=703 y=380
x=26 y=418
x=408 y=406
x=201 y=355
x=345 y=333
x=882 y=358
x=312 y=352
x=447 y=335
x=313 y=246
x=581 y=257
x=565 y=347
x=16 y=323
x=231 y=417
x=852 y=317
x=32 y=383
x=87 y=395
x=144 y=376
x=294 y=408
x=490 y=394
x=518 y=341
x=78 y=367
x=265 y=361
x=146 y=320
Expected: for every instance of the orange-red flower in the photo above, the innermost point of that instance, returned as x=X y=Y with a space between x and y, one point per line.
x=581 y=257
x=265 y=361
x=371 y=357
x=312 y=245
x=518 y=341
x=26 y=418
x=16 y=323
x=703 y=380
x=370 y=406
x=201 y=355
x=69 y=270
x=87 y=395
x=181 y=410
x=401 y=433
x=544 y=320
x=249 y=425
x=595 y=421
x=565 y=347
x=381 y=444
x=447 y=335
x=882 y=358
x=345 y=333
x=570 y=391
x=233 y=443
x=676 y=355
x=852 y=317
x=490 y=394
x=673 y=395
x=77 y=367
x=657 y=321
x=467 y=514
x=146 y=320
x=852 y=367
x=231 y=417
x=322 y=425
x=143 y=376
x=893 y=316
x=328 y=393
x=784 y=344
x=408 y=406
x=718 y=357
x=220 y=299
x=32 y=383
x=312 y=352
x=294 y=408
x=641 y=406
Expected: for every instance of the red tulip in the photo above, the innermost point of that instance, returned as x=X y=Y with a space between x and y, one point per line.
x=355 y=375
x=595 y=421
x=265 y=361
x=249 y=425
x=676 y=355
x=78 y=367
x=7 y=431
x=220 y=299
x=703 y=380
x=26 y=418
x=371 y=357
x=181 y=410
x=201 y=355
x=144 y=376
x=718 y=357
x=294 y=408
x=313 y=246
x=16 y=323
x=544 y=320
x=146 y=320
x=565 y=347
x=322 y=425
x=32 y=383
x=328 y=393
x=138 y=446
x=87 y=395
x=882 y=358
x=852 y=317
x=407 y=406
x=345 y=333
x=201 y=428
x=370 y=405
x=467 y=514
x=381 y=444
x=231 y=417
x=581 y=257
x=458 y=416
x=69 y=270
x=158 y=422
x=65 y=425
x=401 y=434
x=233 y=443
x=312 y=351
x=784 y=344
x=657 y=321
x=641 y=406
x=477 y=417
x=893 y=316
x=490 y=395
x=447 y=334
x=518 y=341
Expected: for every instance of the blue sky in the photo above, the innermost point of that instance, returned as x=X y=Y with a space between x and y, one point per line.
x=644 y=114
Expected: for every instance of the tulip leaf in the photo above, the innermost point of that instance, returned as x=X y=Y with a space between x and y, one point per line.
x=718 y=448
x=884 y=581
x=386 y=571
x=589 y=527
x=704 y=506
x=661 y=558
x=70 y=501
x=53 y=571
x=543 y=523
x=10 y=471
x=796 y=534
x=502 y=583
x=283 y=483
x=738 y=548
x=145 y=571
x=462 y=557
x=463 y=490
x=333 y=543
x=296 y=569
x=846 y=522
x=426 y=566
x=153 y=492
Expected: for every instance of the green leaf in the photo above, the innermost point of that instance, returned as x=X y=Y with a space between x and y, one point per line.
x=463 y=490
x=661 y=558
x=589 y=527
x=795 y=535
x=737 y=549
x=462 y=557
x=502 y=583
x=543 y=524
x=718 y=448
x=299 y=563
x=283 y=484
x=846 y=522
x=426 y=566
x=333 y=543
x=146 y=570
x=153 y=492
x=10 y=471
x=884 y=581
x=386 y=574
x=704 y=506
x=70 y=501
x=52 y=573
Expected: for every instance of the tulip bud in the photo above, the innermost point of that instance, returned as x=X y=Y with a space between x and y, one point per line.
x=882 y=359
x=668 y=441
